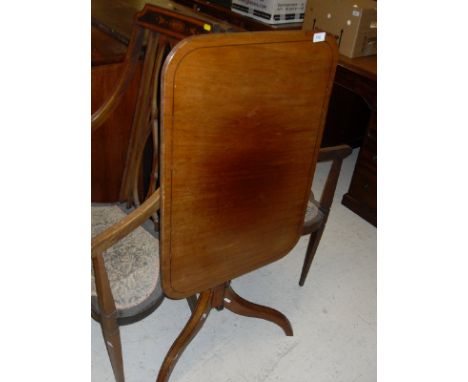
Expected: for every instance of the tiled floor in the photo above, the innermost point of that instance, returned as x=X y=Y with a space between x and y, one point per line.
x=333 y=317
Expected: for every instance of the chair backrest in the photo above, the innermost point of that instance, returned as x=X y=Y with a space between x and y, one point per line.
x=155 y=31
x=159 y=29
x=242 y=121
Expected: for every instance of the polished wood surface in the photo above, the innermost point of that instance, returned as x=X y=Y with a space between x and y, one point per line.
x=193 y=326
x=145 y=125
x=219 y=297
x=236 y=304
x=128 y=73
x=346 y=122
x=336 y=154
x=109 y=143
x=113 y=171
x=218 y=183
x=147 y=31
x=352 y=115
x=165 y=28
x=230 y=204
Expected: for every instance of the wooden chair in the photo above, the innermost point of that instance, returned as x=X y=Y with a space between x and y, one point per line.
x=125 y=257
x=242 y=121
x=317 y=211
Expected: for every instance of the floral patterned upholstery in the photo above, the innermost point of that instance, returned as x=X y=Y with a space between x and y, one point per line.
x=312 y=212
x=132 y=264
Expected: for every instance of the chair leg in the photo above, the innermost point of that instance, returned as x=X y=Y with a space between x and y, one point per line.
x=190 y=330
x=111 y=334
x=108 y=318
x=237 y=304
x=310 y=253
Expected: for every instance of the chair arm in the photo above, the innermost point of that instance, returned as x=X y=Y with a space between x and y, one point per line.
x=131 y=58
x=119 y=230
x=335 y=152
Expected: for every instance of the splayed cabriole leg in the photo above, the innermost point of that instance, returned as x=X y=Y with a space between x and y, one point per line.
x=190 y=330
x=220 y=297
x=237 y=304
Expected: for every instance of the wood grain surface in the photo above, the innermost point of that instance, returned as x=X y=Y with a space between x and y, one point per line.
x=243 y=117
x=109 y=143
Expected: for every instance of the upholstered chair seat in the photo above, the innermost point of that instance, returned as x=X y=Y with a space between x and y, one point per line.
x=132 y=265
x=313 y=213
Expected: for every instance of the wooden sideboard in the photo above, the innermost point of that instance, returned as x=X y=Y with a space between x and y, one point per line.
x=359 y=75
x=352 y=117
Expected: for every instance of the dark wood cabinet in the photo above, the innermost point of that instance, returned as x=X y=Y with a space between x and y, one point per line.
x=362 y=195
